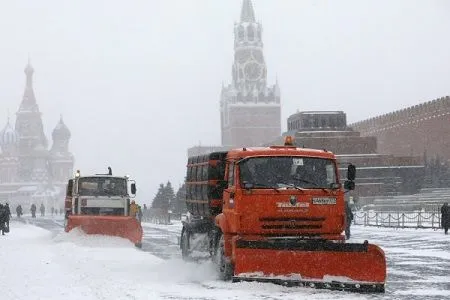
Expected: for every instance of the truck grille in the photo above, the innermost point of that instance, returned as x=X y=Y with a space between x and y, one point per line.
x=286 y=223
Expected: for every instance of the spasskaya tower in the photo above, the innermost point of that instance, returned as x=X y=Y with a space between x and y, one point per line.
x=250 y=110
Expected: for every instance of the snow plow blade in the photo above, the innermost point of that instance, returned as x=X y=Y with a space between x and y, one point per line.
x=121 y=226
x=318 y=264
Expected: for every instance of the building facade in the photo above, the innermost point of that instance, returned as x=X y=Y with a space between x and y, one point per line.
x=30 y=172
x=250 y=110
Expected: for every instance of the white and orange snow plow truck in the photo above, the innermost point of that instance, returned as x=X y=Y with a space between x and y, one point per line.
x=100 y=204
x=277 y=214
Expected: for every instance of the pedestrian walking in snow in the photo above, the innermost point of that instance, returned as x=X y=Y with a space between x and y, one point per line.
x=145 y=213
x=445 y=217
x=19 y=211
x=349 y=219
x=33 y=210
x=3 y=214
x=8 y=214
x=42 y=209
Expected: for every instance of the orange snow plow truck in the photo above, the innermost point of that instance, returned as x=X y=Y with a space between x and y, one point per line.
x=277 y=214
x=100 y=204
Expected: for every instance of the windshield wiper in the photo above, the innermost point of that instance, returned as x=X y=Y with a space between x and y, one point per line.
x=313 y=183
x=291 y=185
x=262 y=185
x=306 y=181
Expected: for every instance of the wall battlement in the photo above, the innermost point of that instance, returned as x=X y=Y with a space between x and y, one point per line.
x=410 y=115
x=415 y=130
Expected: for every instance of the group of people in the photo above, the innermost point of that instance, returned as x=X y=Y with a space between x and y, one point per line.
x=33 y=210
x=5 y=214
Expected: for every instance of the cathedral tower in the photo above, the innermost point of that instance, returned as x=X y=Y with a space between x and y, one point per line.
x=250 y=110
x=8 y=158
x=61 y=160
x=32 y=143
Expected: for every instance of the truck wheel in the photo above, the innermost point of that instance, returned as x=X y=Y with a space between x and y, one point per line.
x=224 y=265
x=184 y=244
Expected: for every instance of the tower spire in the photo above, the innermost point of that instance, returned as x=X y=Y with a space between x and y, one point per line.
x=29 y=73
x=247 y=13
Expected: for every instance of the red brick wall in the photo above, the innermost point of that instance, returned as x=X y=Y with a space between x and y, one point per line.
x=412 y=130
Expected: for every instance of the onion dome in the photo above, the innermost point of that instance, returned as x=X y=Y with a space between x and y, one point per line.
x=8 y=136
x=61 y=132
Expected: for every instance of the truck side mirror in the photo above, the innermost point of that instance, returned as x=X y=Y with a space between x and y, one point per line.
x=133 y=188
x=351 y=172
x=223 y=184
x=349 y=185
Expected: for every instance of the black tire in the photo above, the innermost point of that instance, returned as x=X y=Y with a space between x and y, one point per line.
x=224 y=266
x=138 y=245
x=184 y=244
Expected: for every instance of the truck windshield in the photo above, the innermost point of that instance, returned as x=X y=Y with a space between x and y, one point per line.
x=102 y=186
x=282 y=171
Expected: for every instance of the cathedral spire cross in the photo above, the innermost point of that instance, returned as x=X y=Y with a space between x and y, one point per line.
x=247 y=13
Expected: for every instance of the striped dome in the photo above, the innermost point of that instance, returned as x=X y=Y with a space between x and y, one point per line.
x=8 y=135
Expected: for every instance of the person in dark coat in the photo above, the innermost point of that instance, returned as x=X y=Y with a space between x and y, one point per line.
x=33 y=210
x=8 y=214
x=348 y=219
x=19 y=211
x=42 y=209
x=445 y=217
x=3 y=214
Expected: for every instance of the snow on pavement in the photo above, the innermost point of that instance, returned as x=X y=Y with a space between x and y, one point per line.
x=38 y=265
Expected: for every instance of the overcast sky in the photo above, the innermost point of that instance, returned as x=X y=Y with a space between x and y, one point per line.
x=138 y=82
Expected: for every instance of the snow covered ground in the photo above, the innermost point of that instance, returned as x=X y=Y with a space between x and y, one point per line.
x=40 y=261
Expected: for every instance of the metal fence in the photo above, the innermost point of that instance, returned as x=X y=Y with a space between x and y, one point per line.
x=398 y=219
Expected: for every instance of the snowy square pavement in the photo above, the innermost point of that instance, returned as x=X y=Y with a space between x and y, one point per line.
x=38 y=263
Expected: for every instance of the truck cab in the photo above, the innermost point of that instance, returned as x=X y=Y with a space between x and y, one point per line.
x=100 y=204
x=99 y=195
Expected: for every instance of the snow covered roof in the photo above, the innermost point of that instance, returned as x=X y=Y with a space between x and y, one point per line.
x=27 y=189
x=48 y=193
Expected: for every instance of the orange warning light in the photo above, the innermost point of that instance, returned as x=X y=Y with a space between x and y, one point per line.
x=288 y=141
